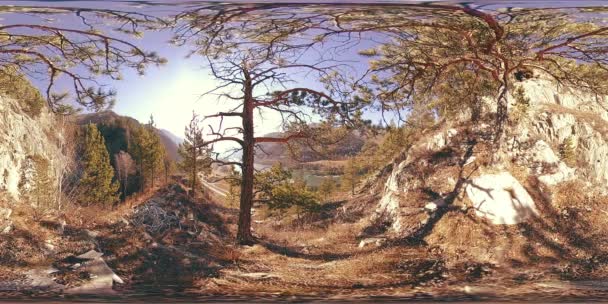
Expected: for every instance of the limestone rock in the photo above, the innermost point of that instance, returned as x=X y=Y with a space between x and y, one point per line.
x=90 y=255
x=563 y=173
x=434 y=205
x=102 y=278
x=22 y=137
x=542 y=152
x=6 y=225
x=40 y=278
x=371 y=241
x=5 y=213
x=500 y=198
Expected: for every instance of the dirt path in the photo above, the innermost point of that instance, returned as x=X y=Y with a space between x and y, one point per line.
x=215 y=188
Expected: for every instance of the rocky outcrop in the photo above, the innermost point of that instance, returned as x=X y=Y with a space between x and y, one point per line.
x=23 y=138
x=558 y=114
x=555 y=115
x=591 y=144
x=401 y=180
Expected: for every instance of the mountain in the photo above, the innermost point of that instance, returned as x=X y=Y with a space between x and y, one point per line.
x=171 y=143
x=115 y=129
x=176 y=139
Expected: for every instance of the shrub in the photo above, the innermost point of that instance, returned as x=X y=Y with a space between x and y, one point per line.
x=280 y=193
x=41 y=191
x=14 y=85
x=567 y=151
x=522 y=105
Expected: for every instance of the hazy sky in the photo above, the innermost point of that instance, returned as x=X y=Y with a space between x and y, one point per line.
x=172 y=92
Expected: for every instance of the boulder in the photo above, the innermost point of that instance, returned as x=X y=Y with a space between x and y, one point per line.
x=90 y=255
x=6 y=225
x=102 y=278
x=500 y=198
x=563 y=173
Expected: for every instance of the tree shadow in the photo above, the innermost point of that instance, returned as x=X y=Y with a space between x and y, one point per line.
x=293 y=252
x=564 y=237
x=417 y=234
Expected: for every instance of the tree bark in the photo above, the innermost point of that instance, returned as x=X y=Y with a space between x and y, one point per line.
x=244 y=236
x=194 y=158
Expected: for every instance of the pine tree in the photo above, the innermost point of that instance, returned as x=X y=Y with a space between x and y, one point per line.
x=141 y=140
x=196 y=157
x=148 y=152
x=168 y=166
x=567 y=151
x=277 y=188
x=234 y=186
x=98 y=186
x=351 y=175
x=156 y=151
x=327 y=187
x=124 y=167
x=40 y=190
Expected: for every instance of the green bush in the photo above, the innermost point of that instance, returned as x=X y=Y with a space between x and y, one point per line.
x=522 y=105
x=567 y=151
x=277 y=189
x=16 y=86
x=42 y=190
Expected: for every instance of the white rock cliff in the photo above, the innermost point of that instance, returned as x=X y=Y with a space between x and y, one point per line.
x=22 y=137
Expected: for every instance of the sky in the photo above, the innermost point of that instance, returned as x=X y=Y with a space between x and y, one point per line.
x=169 y=93
x=172 y=92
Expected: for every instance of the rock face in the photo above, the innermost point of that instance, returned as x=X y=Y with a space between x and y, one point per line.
x=401 y=180
x=559 y=114
x=532 y=146
x=500 y=198
x=21 y=138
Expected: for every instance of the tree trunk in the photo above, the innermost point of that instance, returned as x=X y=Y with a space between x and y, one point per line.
x=244 y=236
x=194 y=169
x=124 y=187
x=142 y=176
x=502 y=115
x=152 y=175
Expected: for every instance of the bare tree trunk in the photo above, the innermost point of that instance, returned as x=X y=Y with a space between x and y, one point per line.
x=193 y=185
x=244 y=235
x=152 y=175
x=502 y=115
x=124 y=187
x=142 y=176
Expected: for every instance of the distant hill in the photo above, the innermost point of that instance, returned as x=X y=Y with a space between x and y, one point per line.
x=176 y=139
x=115 y=129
